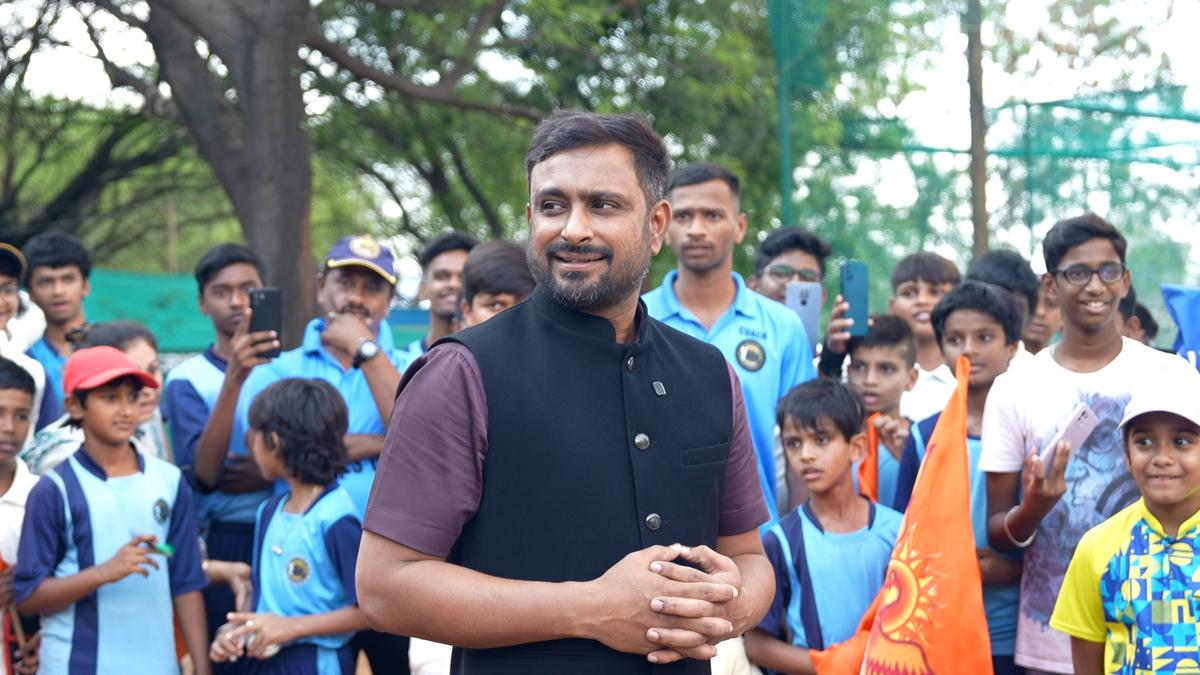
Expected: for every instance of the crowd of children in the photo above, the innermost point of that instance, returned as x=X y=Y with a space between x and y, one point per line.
x=111 y=558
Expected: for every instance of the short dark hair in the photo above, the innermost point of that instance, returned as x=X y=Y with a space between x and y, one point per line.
x=13 y=376
x=55 y=248
x=989 y=299
x=808 y=403
x=497 y=267
x=1069 y=233
x=1149 y=324
x=445 y=242
x=82 y=395
x=117 y=334
x=566 y=130
x=925 y=266
x=1008 y=270
x=790 y=238
x=310 y=419
x=703 y=172
x=10 y=267
x=221 y=256
x=888 y=330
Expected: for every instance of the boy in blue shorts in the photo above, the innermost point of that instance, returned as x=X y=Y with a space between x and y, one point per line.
x=109 y=548
x=305 y=542
x=982 y=322
x=831 y=553
x=1129 y=598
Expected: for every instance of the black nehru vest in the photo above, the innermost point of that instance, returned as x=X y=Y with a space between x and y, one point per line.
x=595 y=449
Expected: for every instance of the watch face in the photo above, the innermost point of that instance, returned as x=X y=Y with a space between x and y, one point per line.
x=368 y=349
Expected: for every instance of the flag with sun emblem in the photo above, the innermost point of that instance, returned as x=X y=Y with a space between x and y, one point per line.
x=928 y=618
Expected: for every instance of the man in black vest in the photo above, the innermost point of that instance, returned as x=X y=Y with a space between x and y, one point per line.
x=571 y=486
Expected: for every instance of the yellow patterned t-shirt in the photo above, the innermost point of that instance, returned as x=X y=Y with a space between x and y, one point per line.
x=1138 y=591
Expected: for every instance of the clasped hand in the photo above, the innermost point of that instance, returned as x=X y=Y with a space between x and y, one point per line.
x=667 y=610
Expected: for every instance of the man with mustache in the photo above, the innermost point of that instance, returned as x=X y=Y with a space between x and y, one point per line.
x=570 y=487
x=350 y=346
x=764 y=340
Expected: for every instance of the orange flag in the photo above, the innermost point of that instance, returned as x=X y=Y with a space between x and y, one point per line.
x=928 y=618
x=868 y=468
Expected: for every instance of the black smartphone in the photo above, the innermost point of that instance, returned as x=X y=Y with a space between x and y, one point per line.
x=266 y=305
x=854 y=291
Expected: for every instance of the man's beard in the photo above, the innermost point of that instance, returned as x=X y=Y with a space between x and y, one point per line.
x=620 y=281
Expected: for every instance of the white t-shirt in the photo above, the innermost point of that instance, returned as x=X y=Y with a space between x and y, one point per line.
x=1025 y=408
x=12 y=512
x=930 y=394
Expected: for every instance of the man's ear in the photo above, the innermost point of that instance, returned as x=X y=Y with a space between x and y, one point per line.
x=660 y=220
x=742 y=223
x=858 y=447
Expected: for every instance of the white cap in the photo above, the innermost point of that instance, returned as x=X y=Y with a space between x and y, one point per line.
x=1175 y=391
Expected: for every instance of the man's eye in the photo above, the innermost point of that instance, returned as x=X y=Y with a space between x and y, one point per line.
x=552 y=206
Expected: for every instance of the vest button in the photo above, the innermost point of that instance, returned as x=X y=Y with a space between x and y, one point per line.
x=642 y=441
x=653 y=521
x=629 y=364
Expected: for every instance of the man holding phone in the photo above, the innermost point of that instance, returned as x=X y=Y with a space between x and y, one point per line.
x=705 y=298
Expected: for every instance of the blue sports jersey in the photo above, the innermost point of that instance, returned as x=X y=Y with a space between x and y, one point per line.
x=77 y=517
x=768 y=347
x=849 y=568
x=313 y=361
x=304 y=565
x=53 y=363
x=999 y=600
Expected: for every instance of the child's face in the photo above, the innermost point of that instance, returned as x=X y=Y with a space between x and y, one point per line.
x=227 y=295
x=111 y=415
x=1045 y=322
x=15 y=408
x=59 y=291
x=1092 y=306
x=913 y=301
x=10 y=299
x=484 y=306
x=880 y=375
x=980 y=338
x=821 y=457
x=269 y=464
x=146 y=358
x=1164 y=457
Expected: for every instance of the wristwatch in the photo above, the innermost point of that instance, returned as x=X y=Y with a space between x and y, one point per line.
x=367 y=350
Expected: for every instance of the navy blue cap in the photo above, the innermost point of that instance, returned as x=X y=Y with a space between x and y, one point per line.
x=363 y=250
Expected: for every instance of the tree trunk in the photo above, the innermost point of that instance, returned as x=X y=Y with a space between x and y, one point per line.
x=979 y=215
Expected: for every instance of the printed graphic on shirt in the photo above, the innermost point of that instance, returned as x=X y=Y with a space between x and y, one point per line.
x=1151 y=605
x=297 y=570
x=751 y=355
x=1099 y=486
x=162 y=512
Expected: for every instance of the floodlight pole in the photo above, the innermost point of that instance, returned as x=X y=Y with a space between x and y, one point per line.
x=979 y=216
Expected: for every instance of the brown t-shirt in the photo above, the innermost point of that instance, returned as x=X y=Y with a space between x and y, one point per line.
x=430 y=475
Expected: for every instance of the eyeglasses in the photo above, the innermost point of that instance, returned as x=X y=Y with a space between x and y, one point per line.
x=1080 y=275
x=783 y=273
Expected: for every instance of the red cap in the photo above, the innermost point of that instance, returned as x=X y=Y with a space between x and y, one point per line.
x=97 y=366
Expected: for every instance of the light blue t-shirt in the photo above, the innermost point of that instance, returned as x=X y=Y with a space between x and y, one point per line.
x=311 y=360
x=768 y=347
x=825 y=581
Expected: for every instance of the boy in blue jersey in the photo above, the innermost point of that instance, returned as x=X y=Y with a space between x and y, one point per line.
x=199 y=401
x=306 y=540
x=831 y=553
x=882 y=368
x=982 y=322
x=1129 y=597
x=109 y=549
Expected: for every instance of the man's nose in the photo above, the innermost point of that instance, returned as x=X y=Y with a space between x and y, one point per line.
x=578 y=228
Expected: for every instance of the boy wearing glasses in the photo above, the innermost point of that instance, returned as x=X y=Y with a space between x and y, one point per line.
x=787 y=254
x=1046 y=510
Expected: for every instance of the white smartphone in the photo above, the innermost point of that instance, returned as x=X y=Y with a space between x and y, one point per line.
x=1079 y=426
x=804 y=297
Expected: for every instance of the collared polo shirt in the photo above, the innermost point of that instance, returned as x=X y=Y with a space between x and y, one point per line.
x=79 y=517
x=768 y=347
x=189 y=396
x=311 y=360
x=930 y=394
x=1137 y=590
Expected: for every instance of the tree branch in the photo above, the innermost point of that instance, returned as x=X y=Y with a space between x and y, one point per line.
x=465 y=61
x=339 y=55
x=485 y=206
x=217 y=21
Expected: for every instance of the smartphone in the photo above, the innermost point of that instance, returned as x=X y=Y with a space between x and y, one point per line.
x=1079 y=426
x=266 y=305
x=804 y=297
x=854 y=291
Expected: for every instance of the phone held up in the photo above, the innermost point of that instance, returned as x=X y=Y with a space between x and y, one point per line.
x=804 y=298
x=1080 y=425
x=266 y=307
x=854 y=291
